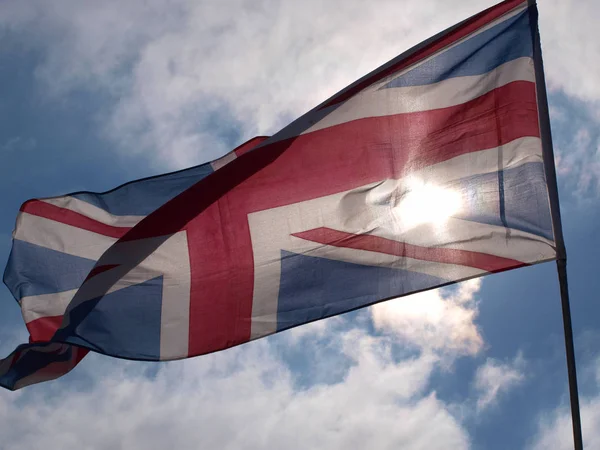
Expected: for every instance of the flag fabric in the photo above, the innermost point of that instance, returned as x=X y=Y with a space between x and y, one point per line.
x=57 y=242
x=426 y=172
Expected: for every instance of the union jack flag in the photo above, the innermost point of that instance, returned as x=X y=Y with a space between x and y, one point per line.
x=426 y=172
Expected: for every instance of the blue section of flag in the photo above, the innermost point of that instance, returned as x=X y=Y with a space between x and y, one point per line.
x=524 y=194
x=478 y=55
x=140 y=198
x=313 y=288
x=35 y=270
x=131 y=315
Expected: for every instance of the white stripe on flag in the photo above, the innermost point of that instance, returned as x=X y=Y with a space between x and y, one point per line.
x=61 y=237
x=512 y=13
x=514 y=154
x=45 y=305
x=142 y=260
x=217 y=164
x=92 y=211
x=450 y=92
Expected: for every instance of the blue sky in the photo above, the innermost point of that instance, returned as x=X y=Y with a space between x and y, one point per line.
x=97 y=94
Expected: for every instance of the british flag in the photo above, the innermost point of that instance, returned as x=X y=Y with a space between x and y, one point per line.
x=426 y=172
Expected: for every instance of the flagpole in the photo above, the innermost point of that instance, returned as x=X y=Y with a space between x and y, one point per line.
x=561 y=261
x=570 y=348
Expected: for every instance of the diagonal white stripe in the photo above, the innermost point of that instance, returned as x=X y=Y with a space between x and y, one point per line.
x=161 y=256
x=217 y=164
x=450 y=92
x=517 y=10
x=45 y=305
x=61 y=237
x=92 y=211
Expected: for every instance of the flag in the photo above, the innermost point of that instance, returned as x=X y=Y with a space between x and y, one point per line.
x=428 y=171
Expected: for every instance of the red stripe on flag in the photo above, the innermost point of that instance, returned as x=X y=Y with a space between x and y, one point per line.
x=219 y=271
x=221 y=278
x=42 y=329
x=364 y=151
x=470 y=26
x=249 y=145
x=68 y=217
x=99 y=269
x=80 y=353
x=483 y=261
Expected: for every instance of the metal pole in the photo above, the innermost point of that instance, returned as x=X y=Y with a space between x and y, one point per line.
x=570 y=348
x=561 y=261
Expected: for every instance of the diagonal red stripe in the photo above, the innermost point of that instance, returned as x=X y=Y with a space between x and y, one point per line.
x=68 y=217
x=99 y=269
x=42 y=329
x=249 y=145
x=367 y=150
x=483 y=261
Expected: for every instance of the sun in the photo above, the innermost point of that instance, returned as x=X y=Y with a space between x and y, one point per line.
x=427 y=203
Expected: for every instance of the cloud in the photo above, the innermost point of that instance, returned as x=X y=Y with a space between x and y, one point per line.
x=11 y=336
x=329 y=385
x=571 y=55
x=555 y=427
x=556 y=432
x=313 y=330
x=240 y=398
x=440 y=320
x=577 y=149
x=495 y=378
x=187 y=80
x=18 y=143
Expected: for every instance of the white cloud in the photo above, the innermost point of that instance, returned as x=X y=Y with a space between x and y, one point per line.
x=577 y=151
x=569 y=43
x=359 y=395
x=495 y=378
x=313 y=330
x=177 y=70
x=439 y=320
x=240 y=398
x=11 y=337
x=182 y=74
x=569 y=37
x=555 y=427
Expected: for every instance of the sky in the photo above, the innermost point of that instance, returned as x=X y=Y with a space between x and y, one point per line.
x=94 y=94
